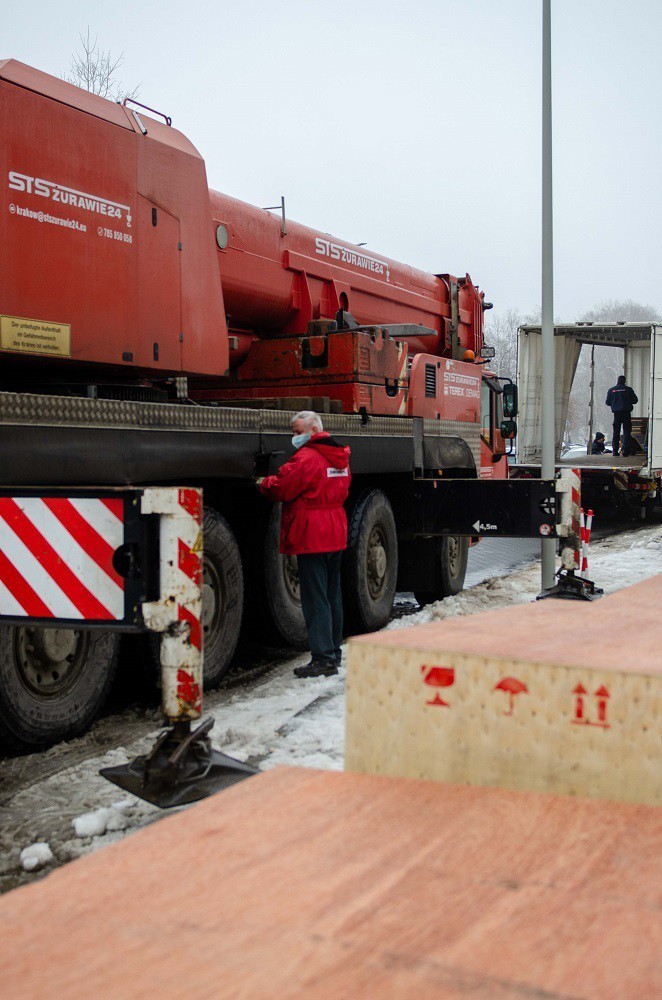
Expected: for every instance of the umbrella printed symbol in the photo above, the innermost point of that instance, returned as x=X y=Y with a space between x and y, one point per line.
x=512 y=687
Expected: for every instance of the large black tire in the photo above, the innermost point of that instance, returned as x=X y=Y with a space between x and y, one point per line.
x=451 y=554
x=370 y=564
x=53 y=682
x=222 y=597
x=275 y=613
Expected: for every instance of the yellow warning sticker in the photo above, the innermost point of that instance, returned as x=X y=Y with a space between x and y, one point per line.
x=197 y=545
x=35 y=336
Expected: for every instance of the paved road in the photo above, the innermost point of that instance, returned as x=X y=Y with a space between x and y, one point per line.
x=491 y=557
x=496 y=556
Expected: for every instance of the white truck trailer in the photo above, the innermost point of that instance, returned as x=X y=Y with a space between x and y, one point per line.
x=622 y=483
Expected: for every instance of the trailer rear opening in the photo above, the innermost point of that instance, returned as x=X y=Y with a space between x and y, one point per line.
x=623 y=483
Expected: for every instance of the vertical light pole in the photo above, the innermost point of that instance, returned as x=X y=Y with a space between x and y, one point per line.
x=548 y=434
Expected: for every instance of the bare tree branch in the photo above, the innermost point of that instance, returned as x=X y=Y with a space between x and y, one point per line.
x=621 y=310
x=95 y=70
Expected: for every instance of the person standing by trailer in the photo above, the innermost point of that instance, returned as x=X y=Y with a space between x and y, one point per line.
x=313 y=486
x=622 y=399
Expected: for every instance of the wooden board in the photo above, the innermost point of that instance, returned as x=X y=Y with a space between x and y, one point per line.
x=604 y=461
x=554 y=696
x=323 y=885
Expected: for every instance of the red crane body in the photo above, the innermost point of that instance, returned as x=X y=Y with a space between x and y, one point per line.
x=111 y=211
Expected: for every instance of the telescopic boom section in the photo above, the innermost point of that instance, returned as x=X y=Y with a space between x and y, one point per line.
x=275 y=284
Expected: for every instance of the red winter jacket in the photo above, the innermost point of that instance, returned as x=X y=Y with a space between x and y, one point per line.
x=312 y=486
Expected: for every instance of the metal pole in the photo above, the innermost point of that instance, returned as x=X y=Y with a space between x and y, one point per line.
x=591 y=403
x=548 y=545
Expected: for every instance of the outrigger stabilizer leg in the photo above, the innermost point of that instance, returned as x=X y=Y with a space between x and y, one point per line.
x=182 y=766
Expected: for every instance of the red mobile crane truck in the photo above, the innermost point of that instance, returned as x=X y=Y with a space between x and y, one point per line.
x=154 y=332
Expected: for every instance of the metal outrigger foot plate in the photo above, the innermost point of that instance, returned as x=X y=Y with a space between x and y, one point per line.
x=181 y=767
x=573 y=588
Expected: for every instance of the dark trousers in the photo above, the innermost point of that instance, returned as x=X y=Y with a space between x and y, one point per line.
x=624 y=419
x=321 y=600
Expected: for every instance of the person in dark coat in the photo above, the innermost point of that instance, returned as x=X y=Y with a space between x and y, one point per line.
x=622 y=399
x=598 y=446
x=312 y=487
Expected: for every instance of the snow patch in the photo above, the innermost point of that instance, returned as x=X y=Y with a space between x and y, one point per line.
x=35 y=856
x=96 y=823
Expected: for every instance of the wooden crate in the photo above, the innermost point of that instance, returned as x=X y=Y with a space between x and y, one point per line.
x=555 y=696
x=350 y=887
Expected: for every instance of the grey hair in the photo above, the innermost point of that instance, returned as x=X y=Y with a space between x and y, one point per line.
x=310 y=419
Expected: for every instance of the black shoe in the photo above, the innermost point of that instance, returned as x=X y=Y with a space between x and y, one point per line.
x=317 y=668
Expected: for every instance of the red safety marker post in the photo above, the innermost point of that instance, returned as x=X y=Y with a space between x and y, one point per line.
x=587 y=524
x=572 y=577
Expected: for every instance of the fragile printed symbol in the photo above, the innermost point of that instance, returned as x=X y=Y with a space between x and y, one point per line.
x=438 y=677
x=512 y=687
x=601 y=697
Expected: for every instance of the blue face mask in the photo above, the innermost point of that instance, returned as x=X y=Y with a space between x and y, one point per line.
x=300 y=439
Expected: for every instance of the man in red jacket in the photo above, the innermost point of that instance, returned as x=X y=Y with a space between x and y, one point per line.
x=312 y=487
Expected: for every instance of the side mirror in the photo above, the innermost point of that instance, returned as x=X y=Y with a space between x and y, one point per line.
x=487 y=353
x=508 y=430
x=510 y=399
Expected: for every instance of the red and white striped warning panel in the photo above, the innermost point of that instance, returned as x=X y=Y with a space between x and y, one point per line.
x=56 y=558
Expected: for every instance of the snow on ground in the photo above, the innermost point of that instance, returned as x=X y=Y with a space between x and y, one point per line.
x=276 y=720
x=98 y=822
x=35 y=856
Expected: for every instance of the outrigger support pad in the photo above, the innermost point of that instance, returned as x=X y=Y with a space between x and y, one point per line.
x=572 y=587
x=181 y=767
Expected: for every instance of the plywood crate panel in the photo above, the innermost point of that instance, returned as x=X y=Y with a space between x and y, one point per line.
x=556 y=696
x=309 y=884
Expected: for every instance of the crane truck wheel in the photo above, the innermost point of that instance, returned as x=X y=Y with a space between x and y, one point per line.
x=274 y=614
x=222 y=596
x=53 y=682
x=370 y=563
x=451 y=557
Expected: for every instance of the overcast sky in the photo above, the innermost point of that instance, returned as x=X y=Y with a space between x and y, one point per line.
x=414 y=127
